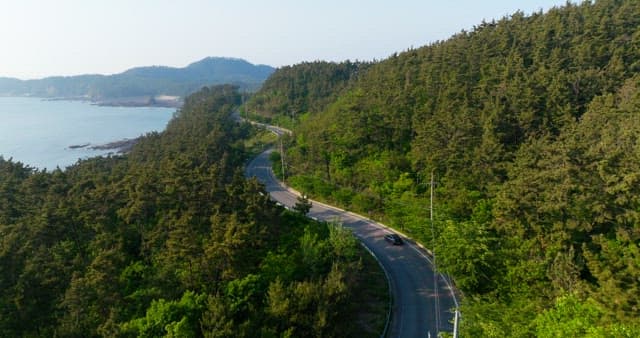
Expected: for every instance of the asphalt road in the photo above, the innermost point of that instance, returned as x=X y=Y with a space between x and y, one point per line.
x=409 y=267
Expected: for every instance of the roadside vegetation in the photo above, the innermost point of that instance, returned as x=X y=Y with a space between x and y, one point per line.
x=170 y=240
x=531 y=125
x=260 y=140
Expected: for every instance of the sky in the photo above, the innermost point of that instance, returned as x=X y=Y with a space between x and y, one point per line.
x=42 y=38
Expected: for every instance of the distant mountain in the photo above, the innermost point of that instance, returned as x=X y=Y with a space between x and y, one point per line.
x=143 y=85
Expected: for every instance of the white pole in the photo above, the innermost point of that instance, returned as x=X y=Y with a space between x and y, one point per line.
x=455 y=324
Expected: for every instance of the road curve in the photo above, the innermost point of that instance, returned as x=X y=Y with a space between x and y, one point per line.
x=409 y=267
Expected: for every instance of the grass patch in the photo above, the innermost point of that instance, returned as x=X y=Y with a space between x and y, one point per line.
x=259 y=142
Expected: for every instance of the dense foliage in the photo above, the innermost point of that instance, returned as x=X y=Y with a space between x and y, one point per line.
x=531 y=125
x=143 y=81
x=308 y=87
x=169 y=240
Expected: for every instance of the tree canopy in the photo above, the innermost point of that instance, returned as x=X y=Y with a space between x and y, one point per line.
x=168 y=240
x=531 y=126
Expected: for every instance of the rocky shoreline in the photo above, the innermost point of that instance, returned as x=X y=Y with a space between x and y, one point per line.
x=79 y=146
x=122 y=146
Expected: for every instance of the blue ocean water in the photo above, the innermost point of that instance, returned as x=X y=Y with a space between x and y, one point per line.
x=39 y=133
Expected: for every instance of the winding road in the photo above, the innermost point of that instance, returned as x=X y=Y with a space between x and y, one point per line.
x=408 y=267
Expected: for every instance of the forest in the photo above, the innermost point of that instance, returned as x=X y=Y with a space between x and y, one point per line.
x=170 y=240
x=305 y=88
x=530 y=125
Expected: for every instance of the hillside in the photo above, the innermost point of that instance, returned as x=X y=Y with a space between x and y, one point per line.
x=307 y=87
x=170 y=240
x=144 y=84
x=531 y=127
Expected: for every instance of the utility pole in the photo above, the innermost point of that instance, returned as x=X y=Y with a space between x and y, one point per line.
x=435 y=268
x=282 y=158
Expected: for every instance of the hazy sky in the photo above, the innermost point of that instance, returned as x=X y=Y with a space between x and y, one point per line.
x=68 y=37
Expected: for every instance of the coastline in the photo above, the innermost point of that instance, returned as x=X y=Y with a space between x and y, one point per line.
x=159 y=101
x=47 y=134
x=164 y=101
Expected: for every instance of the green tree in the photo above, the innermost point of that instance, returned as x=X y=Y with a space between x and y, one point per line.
x=169 y=318
x=303 y=205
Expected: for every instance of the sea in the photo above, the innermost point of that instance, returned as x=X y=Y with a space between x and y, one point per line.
x=46 y=134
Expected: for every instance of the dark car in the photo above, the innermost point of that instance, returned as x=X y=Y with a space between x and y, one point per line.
x=393 y=239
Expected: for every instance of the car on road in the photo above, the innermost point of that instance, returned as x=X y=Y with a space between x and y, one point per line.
x=393 y=239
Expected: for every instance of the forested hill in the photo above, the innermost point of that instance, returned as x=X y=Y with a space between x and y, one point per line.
x=308 y=87
x=169 y=240
x=531 y=126
x=143 y=81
